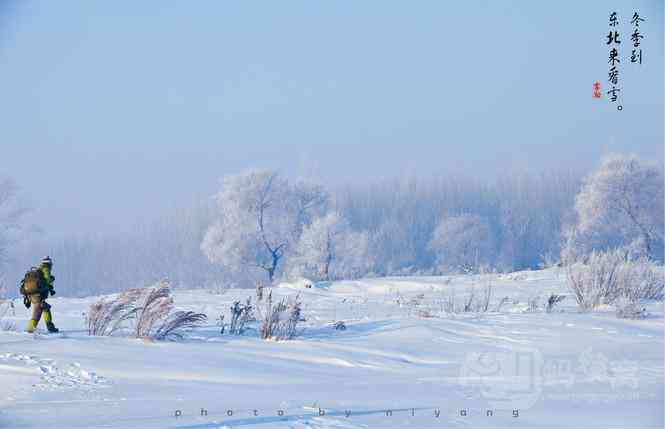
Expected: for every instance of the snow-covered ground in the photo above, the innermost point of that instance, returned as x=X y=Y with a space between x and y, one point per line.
x=401 y=362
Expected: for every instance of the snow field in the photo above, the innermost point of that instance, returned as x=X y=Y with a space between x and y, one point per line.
x=401 y=362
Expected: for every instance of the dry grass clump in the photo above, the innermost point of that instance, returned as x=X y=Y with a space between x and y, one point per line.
x=142 y=313
x=279 y=321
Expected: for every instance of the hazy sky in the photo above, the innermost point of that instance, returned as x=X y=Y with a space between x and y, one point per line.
x=114 y=111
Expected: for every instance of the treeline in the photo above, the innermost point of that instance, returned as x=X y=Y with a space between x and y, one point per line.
x=101 y=263
x=524 y=215
x=264 y=227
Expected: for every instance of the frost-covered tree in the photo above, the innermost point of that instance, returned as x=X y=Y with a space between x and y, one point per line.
x=621 y=204
x=261 y=215
x=10 y=215
x=393 y=248
x=462 y=243
x=524 y=213
x=10 y=219
x=328 y=249
x=311 y=200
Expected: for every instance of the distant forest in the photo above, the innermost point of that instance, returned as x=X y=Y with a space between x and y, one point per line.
x=414 y=226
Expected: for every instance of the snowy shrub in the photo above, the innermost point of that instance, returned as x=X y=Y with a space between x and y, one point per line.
x=517 y=277
x=219 y=288
x=6 y=308
x=259 y=291
x=485 y=298
x=279 y=320
x=221 y=324
x=8 y=326
x=339 y=326
x=648 y=280
x=270 y=317
x=462 y=243
x=412 y=305
x=472 y=303
x=593 y=279
x=627 y=308
x=424 y=313
x=449 y=305
x=613 y=278
x=240 y=315
x=503 y=300
x=469 y=301
x=479 y=303
x=404 y=301
x=552 y=301
x=294 y=311
x=533 y=303
x=637 y=281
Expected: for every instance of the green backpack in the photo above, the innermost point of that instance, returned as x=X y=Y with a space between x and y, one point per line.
x=33 y=282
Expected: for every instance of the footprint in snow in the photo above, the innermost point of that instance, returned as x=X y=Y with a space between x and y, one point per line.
x=53 y=377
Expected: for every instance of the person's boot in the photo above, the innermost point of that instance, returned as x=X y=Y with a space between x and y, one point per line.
x=49 y=322
x=51 y=328
x=32 y=325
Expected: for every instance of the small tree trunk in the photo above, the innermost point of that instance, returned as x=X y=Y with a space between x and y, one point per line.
x=647 y=244
x=326 y=267
x=273 y=266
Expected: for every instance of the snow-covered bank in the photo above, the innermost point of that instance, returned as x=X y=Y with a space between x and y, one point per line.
x=401 y=362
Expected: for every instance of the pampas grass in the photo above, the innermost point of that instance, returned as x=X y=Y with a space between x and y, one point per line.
x=143 y=313
x=178 y=324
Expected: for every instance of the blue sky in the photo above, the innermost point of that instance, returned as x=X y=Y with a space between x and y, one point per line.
x=115 y=111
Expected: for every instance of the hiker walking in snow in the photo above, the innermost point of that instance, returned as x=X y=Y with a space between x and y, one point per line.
x=36 y=286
